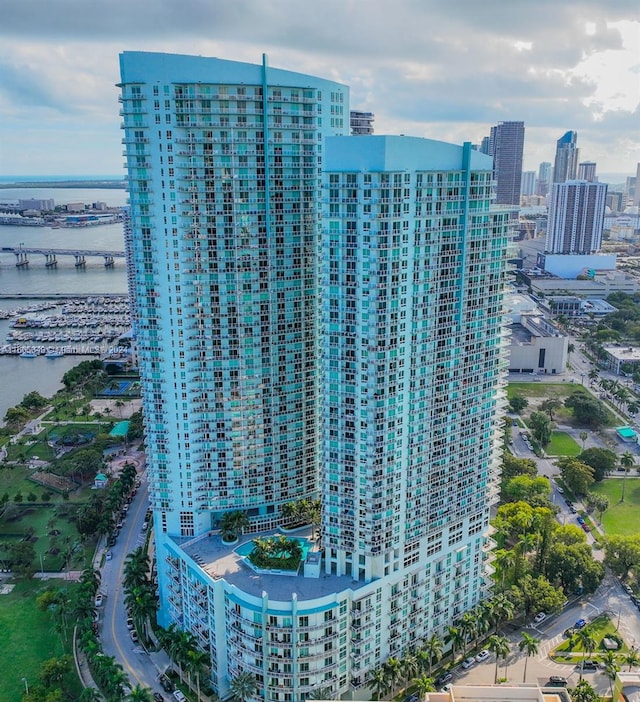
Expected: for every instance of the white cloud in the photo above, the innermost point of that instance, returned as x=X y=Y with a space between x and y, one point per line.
x=444 y=70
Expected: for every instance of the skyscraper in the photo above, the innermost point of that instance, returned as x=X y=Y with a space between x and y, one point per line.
x=576 y=217
x=544 y=178
x=357 y=357
x=506 y=145
x=528 y=183
x=567 y=153
x=587 y=171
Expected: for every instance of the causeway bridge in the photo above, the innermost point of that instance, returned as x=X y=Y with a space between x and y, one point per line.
x=51 y=255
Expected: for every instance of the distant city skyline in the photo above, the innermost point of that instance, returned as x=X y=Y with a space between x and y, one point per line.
x=572 y=68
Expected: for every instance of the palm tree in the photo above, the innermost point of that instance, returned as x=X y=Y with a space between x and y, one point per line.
x=611 y=668
x=502 y=609
x=632 y=658
x=467 y=625
x=504 y=561
x=379 y=682
x=393 y=670
x=424 y=685
x=626 y=461
x=242 y=687
x=90 y=694
x=320 y=693
x=455 y=638
x=530 y=645
x=500 y=646
x=232 y=524
x=593 y=375
x=196 y=661
x=583 y=692
x=585 y=638
x=409 y=666
x=140 y=694
x=584 y=435
x=432 y=648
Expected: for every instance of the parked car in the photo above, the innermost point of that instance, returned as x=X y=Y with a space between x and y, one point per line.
x=179 y=695
x=99 y=600
x=627 y=589
x=560 y=490
x=157 y=697
x=482 y=656
x=580 y=519
x=468 y=662
x=166 y=683
x=586 y=527
x=540 y=617
x=130 y=623
x=134 y=635
x=443 y=679
x=557 y=681
x=580 y=624
x=108 y=555
x=589 y=665
x=573 y=510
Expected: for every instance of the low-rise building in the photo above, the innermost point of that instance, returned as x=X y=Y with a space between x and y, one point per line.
x=537 y=346
x=617 y=356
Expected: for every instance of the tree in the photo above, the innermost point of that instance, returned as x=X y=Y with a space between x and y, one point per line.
x=140 y=694
x=572 y=566
x=232 y=524
x=626 y=461
x=393 y=670
x=532 y=595
x=550 y=405
x=632 y=658
x=242 y=687
x=602 y=460
x=528 y=645
x=517 y=403
x=379 y=683
x=583 y=692
x=588 y=643
x=432 y=649
x=621 y=553
x=584 y=435
x=504 y=561
x=540 y=428
x=600 y=502
x=424 y=685
x=587 y=409
x=593 y=375
x=500 y=646
x=454 y=637
x=577 y=476
x=54 y=670
x=535 y=491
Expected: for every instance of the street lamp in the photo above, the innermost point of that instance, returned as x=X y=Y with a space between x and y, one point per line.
x=26 y=685
x=41 y=566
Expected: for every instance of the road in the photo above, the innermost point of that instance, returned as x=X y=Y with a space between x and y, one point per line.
x=142 y=668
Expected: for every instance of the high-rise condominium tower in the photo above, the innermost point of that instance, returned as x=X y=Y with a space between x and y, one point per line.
x=528 y=183
x=544 y=178
x=361 y=122
x=506 y=144
x=576 y=217
x=567 y=154
x=296 y=343
x=587 y=171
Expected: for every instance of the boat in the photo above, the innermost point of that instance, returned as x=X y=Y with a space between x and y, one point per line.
x=28 y=354
x=54 y=354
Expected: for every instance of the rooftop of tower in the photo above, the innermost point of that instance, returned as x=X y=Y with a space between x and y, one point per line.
x=220 y=560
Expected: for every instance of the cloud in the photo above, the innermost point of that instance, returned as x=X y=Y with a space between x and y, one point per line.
x=446 y=70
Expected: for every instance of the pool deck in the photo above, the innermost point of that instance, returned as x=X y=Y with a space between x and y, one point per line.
x=220 y=560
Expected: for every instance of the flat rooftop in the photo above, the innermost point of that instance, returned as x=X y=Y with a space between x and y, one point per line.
x=219 y=560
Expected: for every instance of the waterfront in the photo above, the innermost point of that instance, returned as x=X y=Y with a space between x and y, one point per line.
x=19 y=376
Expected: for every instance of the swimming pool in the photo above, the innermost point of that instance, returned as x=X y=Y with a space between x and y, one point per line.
x=245 y=549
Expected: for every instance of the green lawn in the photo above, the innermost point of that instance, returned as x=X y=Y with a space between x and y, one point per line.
x=562 y=444
x=28 y=639
x=599 y=628
x=621 y=517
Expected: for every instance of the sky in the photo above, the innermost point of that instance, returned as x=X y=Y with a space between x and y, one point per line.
x=442 y=69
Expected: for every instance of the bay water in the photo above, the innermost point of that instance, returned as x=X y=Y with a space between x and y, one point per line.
x=18 y=376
